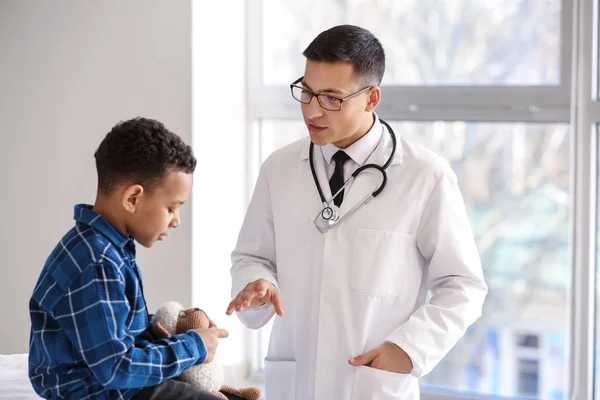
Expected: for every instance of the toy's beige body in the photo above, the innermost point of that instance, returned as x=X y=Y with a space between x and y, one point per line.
x=208 y=377
x=171 y=319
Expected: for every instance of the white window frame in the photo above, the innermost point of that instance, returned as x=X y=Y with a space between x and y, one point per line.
x=533 y=104
x=584 y=117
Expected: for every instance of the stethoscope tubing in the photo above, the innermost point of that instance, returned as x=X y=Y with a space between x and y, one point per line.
x=380 y=168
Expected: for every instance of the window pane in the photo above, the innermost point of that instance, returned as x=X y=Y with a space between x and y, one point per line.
x=427 y=42
x=515 y=182
x=528 y=376
x=531 y=341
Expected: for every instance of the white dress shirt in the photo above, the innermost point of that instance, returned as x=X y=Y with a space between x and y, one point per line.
x=358 y=151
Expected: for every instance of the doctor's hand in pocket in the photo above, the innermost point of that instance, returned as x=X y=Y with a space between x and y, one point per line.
x=387 y=357
x=255 y=294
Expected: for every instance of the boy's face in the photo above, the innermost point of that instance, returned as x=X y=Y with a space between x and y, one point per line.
x=345 y=126
x=152 y=214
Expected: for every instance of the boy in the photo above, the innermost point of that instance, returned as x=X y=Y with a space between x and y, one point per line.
x=90 y=329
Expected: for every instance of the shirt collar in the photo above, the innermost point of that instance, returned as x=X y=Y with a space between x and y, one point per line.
x=84 y=214
x=360 y=150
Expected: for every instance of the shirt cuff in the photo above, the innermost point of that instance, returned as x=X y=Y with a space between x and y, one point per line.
x=257 y=317
x=195 y=345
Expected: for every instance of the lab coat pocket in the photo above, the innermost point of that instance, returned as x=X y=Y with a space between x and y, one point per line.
x=376 y=384
x=379 y=259
x=280 y=380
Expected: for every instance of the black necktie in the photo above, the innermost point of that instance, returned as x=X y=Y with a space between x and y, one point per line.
x=337 y=179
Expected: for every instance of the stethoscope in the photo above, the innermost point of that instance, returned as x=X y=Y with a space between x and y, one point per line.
x=330 y=215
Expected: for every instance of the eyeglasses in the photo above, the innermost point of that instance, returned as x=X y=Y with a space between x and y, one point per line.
x=326 y=101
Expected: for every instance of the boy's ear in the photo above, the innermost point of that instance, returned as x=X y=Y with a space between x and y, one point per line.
x=131 y=197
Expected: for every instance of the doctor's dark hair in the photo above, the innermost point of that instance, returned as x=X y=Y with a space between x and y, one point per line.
x=140 y=151
x=351 y=44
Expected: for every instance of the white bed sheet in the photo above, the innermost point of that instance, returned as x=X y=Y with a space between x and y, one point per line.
x=14 y=380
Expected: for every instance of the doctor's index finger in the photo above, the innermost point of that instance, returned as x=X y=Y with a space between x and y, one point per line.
x=236 y=302
x=246 y=295
x=230 y=308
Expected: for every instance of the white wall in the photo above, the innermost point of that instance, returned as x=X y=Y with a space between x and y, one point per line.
x=220 y=193
x=69 y=70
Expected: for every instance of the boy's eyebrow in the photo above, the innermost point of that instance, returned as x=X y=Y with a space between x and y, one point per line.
x=178 y=202
x=337 y=91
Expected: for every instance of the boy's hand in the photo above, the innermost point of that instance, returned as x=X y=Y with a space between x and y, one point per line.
x=210 y=337
x=255 y=294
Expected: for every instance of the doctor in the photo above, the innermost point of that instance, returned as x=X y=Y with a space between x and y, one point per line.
x=354 y=319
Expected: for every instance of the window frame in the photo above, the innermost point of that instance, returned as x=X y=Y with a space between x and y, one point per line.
x=585 y=115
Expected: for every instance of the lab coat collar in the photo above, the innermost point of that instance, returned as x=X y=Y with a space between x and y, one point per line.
x=377 y=156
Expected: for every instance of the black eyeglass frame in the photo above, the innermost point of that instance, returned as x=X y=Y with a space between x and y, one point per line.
x=320 y=96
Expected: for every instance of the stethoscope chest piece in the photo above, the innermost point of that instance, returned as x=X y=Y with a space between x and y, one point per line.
x=327 y=219
x=330 y=215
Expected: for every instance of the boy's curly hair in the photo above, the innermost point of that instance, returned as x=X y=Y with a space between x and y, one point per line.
x=140 y=151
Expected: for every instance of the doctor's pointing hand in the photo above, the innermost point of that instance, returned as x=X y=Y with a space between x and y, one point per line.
x=256 y=294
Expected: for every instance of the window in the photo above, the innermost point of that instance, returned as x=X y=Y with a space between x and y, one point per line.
x=460 y=42
x=528 y=376
x=528 y=365
x=489 y=86
x=528 y=341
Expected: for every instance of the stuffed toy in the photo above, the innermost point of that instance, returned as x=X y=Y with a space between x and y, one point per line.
x=172 y=319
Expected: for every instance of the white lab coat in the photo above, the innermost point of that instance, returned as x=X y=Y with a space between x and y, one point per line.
x=366 y=281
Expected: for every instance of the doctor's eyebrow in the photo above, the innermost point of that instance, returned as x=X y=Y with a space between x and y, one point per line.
x=336 y=91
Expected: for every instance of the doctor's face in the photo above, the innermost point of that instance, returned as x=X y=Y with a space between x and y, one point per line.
x=355 y=117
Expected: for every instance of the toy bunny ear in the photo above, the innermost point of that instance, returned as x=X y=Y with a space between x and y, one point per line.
x=168 y=314
x=159 y=330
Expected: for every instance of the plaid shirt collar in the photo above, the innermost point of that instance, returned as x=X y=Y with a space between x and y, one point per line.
x=84 y=214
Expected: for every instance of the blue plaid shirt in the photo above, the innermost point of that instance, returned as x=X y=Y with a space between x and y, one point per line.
x=90 y=333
